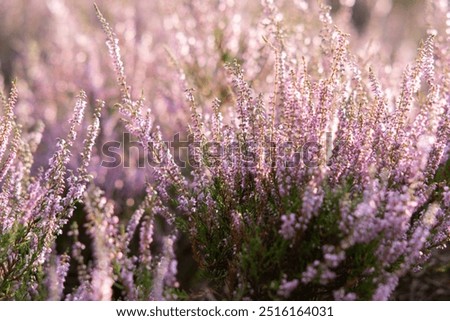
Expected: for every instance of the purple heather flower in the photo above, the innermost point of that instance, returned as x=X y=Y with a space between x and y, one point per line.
x=287 y=287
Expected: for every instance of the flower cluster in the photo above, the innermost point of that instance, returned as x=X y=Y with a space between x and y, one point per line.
x=35 y=208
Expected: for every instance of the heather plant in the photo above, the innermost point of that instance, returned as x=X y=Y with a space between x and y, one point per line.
x=59 y=40
x=315 y=169
x=332 y=191
x=35 y=208
x=73 y=58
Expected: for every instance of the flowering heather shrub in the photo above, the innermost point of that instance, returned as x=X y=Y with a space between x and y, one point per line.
x=345 y=224
x=314 y=175
x=58 y=41
x=35 y=208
